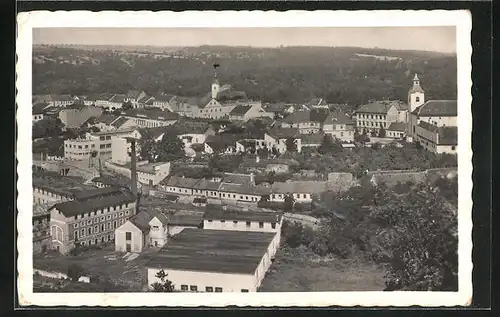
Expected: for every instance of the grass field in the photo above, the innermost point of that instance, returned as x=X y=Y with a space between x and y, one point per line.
x=301 y=271
x=130 y=275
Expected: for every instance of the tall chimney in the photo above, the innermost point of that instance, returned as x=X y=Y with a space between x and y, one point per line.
x=133 y=167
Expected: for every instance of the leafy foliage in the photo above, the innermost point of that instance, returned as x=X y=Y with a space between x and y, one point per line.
x=169 y=148
x=47 y=127
x=291 y=145
x=166 y=286
x=75 y=271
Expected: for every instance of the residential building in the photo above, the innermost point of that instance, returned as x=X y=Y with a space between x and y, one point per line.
x=163 y=102
x=279 y=110
x=146 y=228
x=440 y=113
x=317 y=103
x=306 y=121
x=145 y=102
x=396 y=130
x=311 y=140
x=97 y=144
x=38 y=111
x=186 y=106
x=109 y=122
x=233 y=261
x=42 y=240
x=133 y=96
x=301 y=191
x=248 y=110
x=437 y=139
x=339 y=126
x=116 y=102
x=242 y=220
x=153 y=173
x=51 y=188
x=75 y=115
x=277 y=138
x=379 y=114
x=91 y=218
x=151 y=118
x=224 y=143
x=61 y=100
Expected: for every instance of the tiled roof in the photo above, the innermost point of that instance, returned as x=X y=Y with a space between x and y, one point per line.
x=276 y=107
x=240 y=110
x=312 y=187
x=133 y=94
x=119 y=122
x=220 y=251
x=316 y=138
x=381 y=106
x=234 y=178
x=154 y=114
x=338 y=117
x=239 y=215
x=186 y=220
x=397 y=126
x=222 y=141
x=106 y=118
x=141 y=220
x=437 y=108
x=298 y=117
x=38 y=108
x=427 y=126
x=149 y=168
x=78 y=207
x=183 y=182
x=119 y=98
x=283 y=133
x=226 y=92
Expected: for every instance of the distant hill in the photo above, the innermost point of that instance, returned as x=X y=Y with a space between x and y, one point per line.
x=294 y=74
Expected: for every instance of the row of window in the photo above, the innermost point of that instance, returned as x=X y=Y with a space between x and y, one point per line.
x=74 y=146
x=103 y=239
x=208 y=289
x=372 y=124
x=247 y=223
x=107 y=137
x=277 y=196
x=101 y=219
x=105 y=210
x=96 y=229
x=371 y=116
x=148 y=123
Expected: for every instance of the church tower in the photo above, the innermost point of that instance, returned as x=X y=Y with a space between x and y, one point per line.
x=416 y=95
x=215 y=83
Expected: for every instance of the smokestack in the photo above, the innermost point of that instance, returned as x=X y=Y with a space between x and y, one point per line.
x=133 y=167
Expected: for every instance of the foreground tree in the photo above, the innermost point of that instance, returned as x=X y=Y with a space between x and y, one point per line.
x=170 y=148
x=417 y=240
x=291 y=145
x=165 y=286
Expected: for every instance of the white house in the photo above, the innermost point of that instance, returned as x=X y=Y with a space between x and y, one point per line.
x=301 y=191
x=232 y=261
x=245 y=111
x=147 y=228
x=240 y=220
x=277 y=137
x=152 y=174
x=437 y=139
x=379 y=114
x=396 y=130
x=339 y=126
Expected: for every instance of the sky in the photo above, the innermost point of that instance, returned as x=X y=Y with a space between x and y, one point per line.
x=438 y=39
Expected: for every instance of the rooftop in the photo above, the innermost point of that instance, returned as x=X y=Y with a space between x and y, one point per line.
x=397 y=126
x=283 y=133
x=381 y=106
x=219 y=251
x=62 y=185
x=151 y=167
x=240 y=110
x=106 y=118
x=39 y=107
x=79 y=207
x=437 y=108
x=338 y=117
x=153 y=114
x=311 y=187
x=239 y=215
x=234 y=178
x=119 y=122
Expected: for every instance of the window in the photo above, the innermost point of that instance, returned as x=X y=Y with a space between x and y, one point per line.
x=209 y=289
x=102 y=227
x=75 y=225
x=222 y=221
x=96 y=229
x=121 y=214
x=76 y=235
x=417 y=99
x=128 y=236
x=102 y=219
x=89 y=231
x=108 y=217
x=273 y=225
x=156 y=228
x=102 y=146
x=210 y=221
x=89 y=222
x=108 y=137
x=108 y=225
x=248 y=224
x=82 y=232
x=193 y=288
x=114 y=224
x=218 y=289
x=101 y=138
x=184 y=287
x=244 y=291
x=453 y=148
x=96 y=220
x=261 y=224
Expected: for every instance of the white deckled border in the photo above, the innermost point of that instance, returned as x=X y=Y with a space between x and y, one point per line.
x=28 y=21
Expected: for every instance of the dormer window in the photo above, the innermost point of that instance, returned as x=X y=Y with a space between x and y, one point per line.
x=417 y=99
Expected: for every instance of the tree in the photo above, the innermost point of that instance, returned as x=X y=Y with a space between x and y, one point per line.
x=289 y=201
x=417 y=240
x=166 y=286
x=74 y=272
x=275 y=151
x=263 y=152
x=126 y=106
x=381 y=132
x=291 y=145
x=170 y=148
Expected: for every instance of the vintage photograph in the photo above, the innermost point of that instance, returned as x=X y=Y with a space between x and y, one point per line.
x=262 y=159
